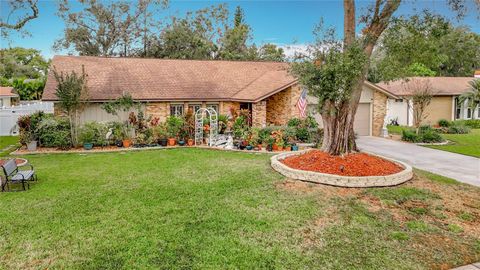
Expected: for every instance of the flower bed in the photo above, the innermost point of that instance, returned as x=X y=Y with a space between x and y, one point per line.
x=356 y=170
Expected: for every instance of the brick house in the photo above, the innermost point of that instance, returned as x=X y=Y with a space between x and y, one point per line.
x=171 y=87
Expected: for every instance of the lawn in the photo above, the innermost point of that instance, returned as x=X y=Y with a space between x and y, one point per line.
x=465 y=144
x=5 y=142
x=205 y=209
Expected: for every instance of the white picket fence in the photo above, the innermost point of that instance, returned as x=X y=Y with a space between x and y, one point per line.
x=10 y=115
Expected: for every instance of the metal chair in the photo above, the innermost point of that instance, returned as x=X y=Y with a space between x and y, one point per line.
x=15 y=176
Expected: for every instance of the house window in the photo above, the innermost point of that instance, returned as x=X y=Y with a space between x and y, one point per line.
x=213 y=106
x=469 y=113
x=194 y=107
x=458 y=109
x=176 y=109
x=1 y=102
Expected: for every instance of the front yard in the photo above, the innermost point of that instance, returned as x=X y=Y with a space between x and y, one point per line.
x=197 y=209
x=465 y=144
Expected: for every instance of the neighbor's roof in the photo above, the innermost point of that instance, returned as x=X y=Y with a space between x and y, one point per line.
x=477 y=74
x=441 y=86
x=7 y=92
x=166 y=79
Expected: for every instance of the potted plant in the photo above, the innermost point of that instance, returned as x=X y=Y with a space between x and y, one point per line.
x=294 y=147
x=288 y=147
x=269 y=144
x=127 y=137
x=174 y=125
x=190 y=142
x=160 y=133
x=31 y=142
x=280 y=144
x=87 y=137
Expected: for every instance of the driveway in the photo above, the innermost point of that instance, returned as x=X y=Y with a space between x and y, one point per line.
x=459 y=167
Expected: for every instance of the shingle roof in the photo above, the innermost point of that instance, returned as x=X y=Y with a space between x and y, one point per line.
x=165 y=79
x=441 y=86
x=6 y=91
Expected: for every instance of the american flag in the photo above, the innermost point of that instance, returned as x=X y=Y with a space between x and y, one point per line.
x=302 y=103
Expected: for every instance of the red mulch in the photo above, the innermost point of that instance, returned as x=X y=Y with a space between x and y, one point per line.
x=357 y=164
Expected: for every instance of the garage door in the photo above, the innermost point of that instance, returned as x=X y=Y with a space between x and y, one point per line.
x=362 y=120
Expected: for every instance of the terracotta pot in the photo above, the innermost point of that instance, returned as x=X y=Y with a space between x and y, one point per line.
x=259 y=147
x=190 y=142
x=288 y=148
x=280 y=148
x=127 y=143
x=274 y=147
x=171 y=141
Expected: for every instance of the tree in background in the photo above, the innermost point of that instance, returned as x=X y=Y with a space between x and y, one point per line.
x=22 y=62
x=472 y=96
x=21 y=11
x=72 y=96
x=234 y=43
x=425 y=45
x=270 y=52
x=422 y=94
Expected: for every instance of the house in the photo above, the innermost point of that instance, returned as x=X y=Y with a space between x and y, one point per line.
x=170 y=87
x=444 y=104
x=8 y=97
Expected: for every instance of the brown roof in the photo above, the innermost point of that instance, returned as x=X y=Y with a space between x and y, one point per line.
x=441 y=86
x=6 y=91
x=165 y=79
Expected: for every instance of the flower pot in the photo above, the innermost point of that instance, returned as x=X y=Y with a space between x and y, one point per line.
x=249 y=147
x=163 y=142
x=279 y=148
x=275 y=147
x=288 y=148
x=294 y=147
x=171 y=141
x=181 y=142
x=190 y=142
x=269 y=148
x=127 y=143
x=259 y=147
x=32 y=146
x=119 y=143
x=88 y=146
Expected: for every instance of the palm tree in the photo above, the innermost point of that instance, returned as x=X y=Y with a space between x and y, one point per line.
x=472 y=96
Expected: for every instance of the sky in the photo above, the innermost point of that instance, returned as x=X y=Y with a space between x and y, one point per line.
x=285 y=23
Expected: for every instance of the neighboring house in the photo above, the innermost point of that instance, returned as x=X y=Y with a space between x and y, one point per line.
x=171 y=87
x=8 y=97
x=444 y=104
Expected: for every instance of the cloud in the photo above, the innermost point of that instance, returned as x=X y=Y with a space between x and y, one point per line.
x=291 y=49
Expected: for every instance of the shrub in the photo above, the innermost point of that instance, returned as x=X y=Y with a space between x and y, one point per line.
x=444 y=123
x=430 y=136
x=55 y=132
x=472 y=123
x=174 y=125
x=93 y=132
x=28 y=125
x=458 y=129
x=410 y=136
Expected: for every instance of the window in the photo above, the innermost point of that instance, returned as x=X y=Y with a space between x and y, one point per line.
x=194 y=107
x=1 y=102
x=176 y=109
x=478 y=114
x=213 y=106
x=469 y=113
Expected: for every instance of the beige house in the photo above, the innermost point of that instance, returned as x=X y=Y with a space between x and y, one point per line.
x=171 y=87
x=444 y=104
x=8 y=97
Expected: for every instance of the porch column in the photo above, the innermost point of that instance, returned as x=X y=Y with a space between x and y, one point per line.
x=259 y=114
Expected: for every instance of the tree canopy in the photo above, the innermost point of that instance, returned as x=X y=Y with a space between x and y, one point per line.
x=22 y=62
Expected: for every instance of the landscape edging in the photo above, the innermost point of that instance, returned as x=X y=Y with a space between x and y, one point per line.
x=338 y=180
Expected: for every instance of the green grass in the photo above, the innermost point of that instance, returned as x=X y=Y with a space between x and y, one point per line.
x=396 y=129
x=5 y=142
x=203 y=209
x=465 y=144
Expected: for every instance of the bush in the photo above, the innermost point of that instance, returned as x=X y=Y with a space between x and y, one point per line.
x=410 y=136
x=28 y=126
x=174 y=125
x=55 y=132
x=430 y=136
x=472 y=123
x=93 y=132
x=458 y=129
x=444 y=123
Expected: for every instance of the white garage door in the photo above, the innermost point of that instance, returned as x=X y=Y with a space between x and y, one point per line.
x=362 y=120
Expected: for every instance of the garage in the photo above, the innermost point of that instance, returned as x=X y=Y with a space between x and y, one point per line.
x=362 y=120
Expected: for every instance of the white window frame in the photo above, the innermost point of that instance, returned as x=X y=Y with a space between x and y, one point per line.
x=176 y=108
x=193 y=105
x=215 y=106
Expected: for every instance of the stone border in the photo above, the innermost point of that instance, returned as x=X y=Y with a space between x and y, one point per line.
x=341 y=181
x=440 y=143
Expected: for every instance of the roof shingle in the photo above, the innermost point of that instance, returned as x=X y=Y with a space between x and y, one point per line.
x=441 y=86
x=166 y=79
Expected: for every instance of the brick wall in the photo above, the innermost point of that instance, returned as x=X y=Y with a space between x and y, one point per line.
x=259 y=114
x=226 y=105
x=379 y=112
x=158 y=109
x=282 y=106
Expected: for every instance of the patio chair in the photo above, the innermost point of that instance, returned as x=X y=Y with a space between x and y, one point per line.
x=15 y=176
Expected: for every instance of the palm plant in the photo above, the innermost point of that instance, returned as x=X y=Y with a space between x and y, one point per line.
x=472 y=96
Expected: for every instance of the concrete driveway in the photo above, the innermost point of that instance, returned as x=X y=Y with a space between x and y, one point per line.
x=459 y=167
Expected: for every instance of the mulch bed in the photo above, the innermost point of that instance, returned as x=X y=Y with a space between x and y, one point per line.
x=356 y=164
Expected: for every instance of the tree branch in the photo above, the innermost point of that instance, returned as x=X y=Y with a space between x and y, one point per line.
x=22 y=22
